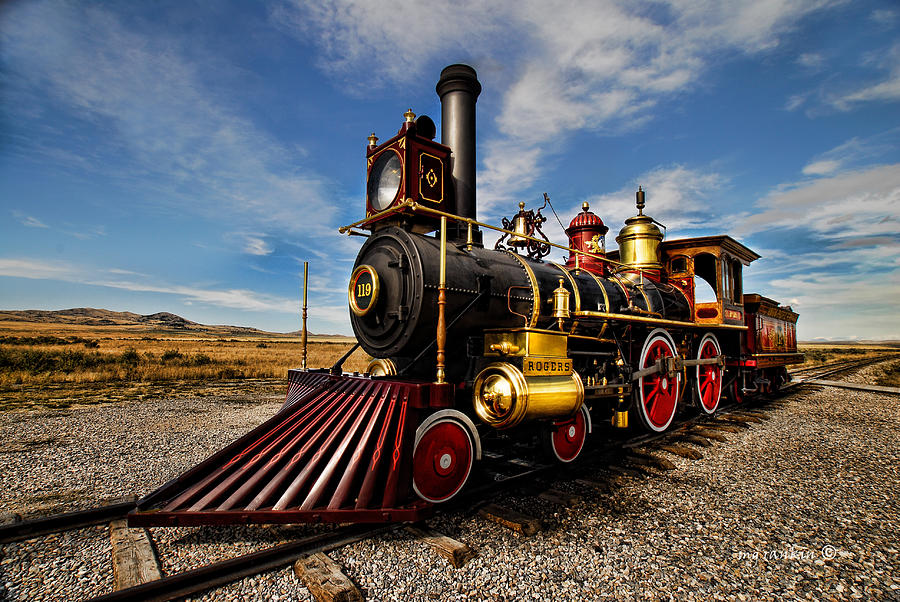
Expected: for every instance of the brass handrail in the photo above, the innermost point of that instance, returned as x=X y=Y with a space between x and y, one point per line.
x=416 y=207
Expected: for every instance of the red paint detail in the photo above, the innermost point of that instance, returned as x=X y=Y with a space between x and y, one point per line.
x=440 y=485
x=659 y=391
x=709 y=378
x=567 y=445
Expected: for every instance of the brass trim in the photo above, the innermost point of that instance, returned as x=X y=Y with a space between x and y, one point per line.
x=535 y=292
x=441 y=334
x=376 y=286
x=303 y=314
x=577 y=293
x=572 y=282
x=605 y=298
x=381 y=367
x=421 y=168
x=412 y=205
x=660 y=321
x=397 y=194
x=503 y=397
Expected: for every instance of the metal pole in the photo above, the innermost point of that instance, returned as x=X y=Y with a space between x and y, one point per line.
x=303 y=335
x=442 y=301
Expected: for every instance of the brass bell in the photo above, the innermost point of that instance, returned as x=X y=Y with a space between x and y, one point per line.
x=519 y=228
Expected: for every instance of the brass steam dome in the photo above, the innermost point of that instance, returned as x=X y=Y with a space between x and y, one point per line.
x=639 y=240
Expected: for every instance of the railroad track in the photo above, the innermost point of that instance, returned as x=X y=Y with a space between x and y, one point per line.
x=607 y=462
x=830 y=368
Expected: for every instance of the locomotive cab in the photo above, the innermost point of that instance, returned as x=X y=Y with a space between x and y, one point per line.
x=716 y=261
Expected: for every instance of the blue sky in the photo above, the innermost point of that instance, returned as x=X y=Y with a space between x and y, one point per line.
x=189 y=156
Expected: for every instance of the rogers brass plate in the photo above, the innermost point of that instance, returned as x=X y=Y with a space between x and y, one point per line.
x=546 y=366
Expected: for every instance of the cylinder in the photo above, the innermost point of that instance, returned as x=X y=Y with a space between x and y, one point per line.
x=504 y=397
x=458 y=89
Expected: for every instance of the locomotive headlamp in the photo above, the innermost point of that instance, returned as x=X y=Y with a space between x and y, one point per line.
x=410 y=166
x=384 y=180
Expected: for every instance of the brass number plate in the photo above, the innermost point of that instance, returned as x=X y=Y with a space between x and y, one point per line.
x=363 y=291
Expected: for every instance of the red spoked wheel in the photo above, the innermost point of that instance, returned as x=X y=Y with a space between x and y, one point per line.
x=657 y=394
x=737 y=389
x=565 y=439
x=442 y=458
x=708 y=382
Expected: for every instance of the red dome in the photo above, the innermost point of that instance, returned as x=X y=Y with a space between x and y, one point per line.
x=587 y=219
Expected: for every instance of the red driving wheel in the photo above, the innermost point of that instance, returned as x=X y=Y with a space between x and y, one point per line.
x=566 y=439
x=708 y=380
x=442 y=460
x=657 y=394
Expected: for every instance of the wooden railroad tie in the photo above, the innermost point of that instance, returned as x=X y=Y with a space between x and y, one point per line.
x=732 y=422
x=696 y=440
x=601 y=486
x=645 y=459
x=456 y=552
x=626 y=471
x=684 y=452
x=561 y=498
x=518 y=522
x=710 y=434
x=742 y=418
x=728 y=428
x=324 y=579
x=752 y=414
x=134 y=557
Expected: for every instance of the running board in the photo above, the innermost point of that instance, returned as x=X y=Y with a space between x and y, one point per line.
x=339 y=450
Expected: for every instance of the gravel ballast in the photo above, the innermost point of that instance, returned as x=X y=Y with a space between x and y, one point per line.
x=801 y=506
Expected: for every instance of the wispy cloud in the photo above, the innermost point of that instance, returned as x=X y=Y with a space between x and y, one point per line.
x=681 y=198
x=846 y=205
x=165 y=126
x=28 y=220
x=62 y=271
x=251 y=243
x=598 y=65
x=876 y=78
x=855 y=152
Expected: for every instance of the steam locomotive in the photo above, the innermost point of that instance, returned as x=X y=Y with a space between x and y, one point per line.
x=472 y=344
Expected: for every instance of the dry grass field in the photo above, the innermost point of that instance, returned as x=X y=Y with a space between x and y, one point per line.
x=822 y=353
x=54 y=364
x=58 y=365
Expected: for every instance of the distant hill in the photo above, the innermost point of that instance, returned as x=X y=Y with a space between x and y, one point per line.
x=160 y=321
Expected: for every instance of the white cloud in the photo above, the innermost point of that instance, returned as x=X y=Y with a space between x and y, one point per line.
x=854 y=152
x=681 y=198
x=164 y=125
x=885 y=16
x=821 y=168
x=28 y=220
x=811 y=60
x=848 y=205
x=35 y=269
x=599 y=65
x=252 y=243
x=230 y=298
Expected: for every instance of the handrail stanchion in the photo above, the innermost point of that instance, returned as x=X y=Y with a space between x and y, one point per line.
x=303 y=335
x=442 y=301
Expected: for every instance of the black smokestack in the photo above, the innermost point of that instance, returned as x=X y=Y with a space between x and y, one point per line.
x=458 y=89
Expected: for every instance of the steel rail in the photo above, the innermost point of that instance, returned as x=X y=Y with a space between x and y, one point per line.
x=226 y=571
x=68 y=521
